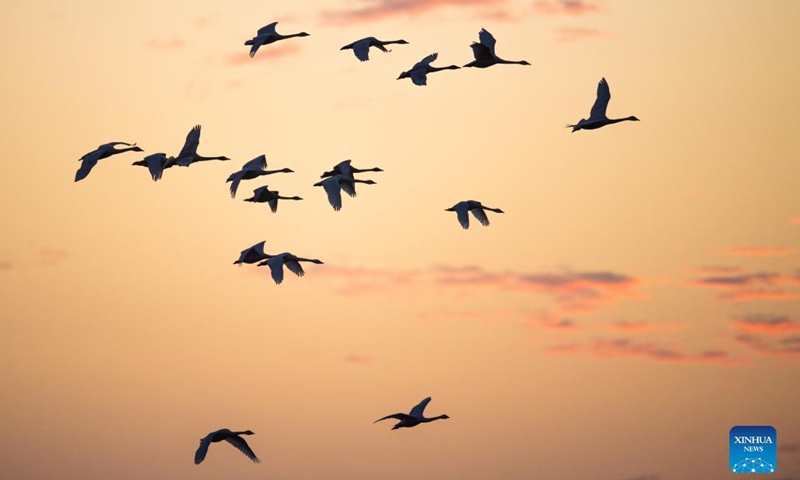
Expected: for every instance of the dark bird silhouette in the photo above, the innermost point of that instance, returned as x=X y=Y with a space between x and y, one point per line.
x=103 y=151
x=412 y=418
x=253 y=254
x=597 y=117
x=231 y=437
x=484 y=52
x=477 y=209
x=361 y=47
x=188 y=154
x=267 y=35
x=250 y=170
x=334 y=185
x=292 y=262
x=345 y=168
x=265 y=195
x=156 y=164
x=419 y=72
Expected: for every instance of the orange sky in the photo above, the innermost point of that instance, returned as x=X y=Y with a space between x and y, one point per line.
x=639 y=297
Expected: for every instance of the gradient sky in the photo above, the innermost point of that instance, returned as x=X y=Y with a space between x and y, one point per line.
x=639 y=297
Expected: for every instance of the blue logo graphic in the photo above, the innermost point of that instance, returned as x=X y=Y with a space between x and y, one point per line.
x=753 y=449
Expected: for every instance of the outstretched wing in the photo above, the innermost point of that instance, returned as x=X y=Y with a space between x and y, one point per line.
x=425 y=62
x=344 y=167
x=480 y=215
x=334 y=193
x=348 y=187
x=273 y=204
x=243 y=447
x=398 y=416
x=258 y=163
x=276 y=268
x=89 y=161
x=417 y=411
x=487 y=39
x=200 y=454
x=236 y=178
x=463 y=217
x=257 y=42
x=294 y=266
x=361 y=49
x=192 y=142
x=481 y=52
x=601 y=103
x=268 y=30
x=155 y=165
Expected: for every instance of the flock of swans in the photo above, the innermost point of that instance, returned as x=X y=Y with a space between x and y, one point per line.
x=340 y=178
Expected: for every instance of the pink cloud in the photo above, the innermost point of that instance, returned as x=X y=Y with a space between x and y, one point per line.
x=767 y=324
x=549 y=321
x=751 y=286
x=624 y=348
x=773 y=346
x=563 y=348
x=269 y=52
x=6 y=265
x=375 y=10
x=717 y=269
x=574 y=34
x=50 y=256
x=358 y=359
x=160 y=44
x=759 y=294
x=760 y=251
x=565 y=7
x=643 y=327
x=795 y=221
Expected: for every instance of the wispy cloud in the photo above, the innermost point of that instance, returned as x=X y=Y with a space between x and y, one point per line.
x=270 y=52
x=6 y=265
x=644 y=327
x=750 y=251
x=795 y=221
x=610 y=348
x=162 y=44
x=780 y=346
x=575 y=34
x=768 y=324
x=717 y=269
x=50 y=256
x=358 y=359
x=375 y=10
x=565 y=7
x=751 y=286
x=550 y=321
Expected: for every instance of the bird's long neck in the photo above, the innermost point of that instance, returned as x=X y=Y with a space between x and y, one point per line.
x=492 y=209
x=312 y=260
x=617 y=120
x=121 y=150
x=270 y=172
x=514 y=62
x=373 y=169
x=202 y=158
x=426 y=420
x=288 y=198
x=389 y=42
x=436 y=69
x=293 y=35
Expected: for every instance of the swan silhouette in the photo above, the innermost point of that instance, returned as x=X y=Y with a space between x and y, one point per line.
x=419 y=72
x=89 y=160
x=250 y=170
x=156 y=164
x=231 y=437
x=334 y=185
x=267 y=35
x=253 y=254
x=265 y=195
x=484 y=52
x=292 y=262
x=345 y=168
x=597 y=117
x=361 y=47
x=477 y=209
x=414 y=417
x=188 y=154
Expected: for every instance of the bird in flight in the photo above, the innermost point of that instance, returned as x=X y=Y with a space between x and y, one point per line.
x=292 y=262
x=477 y=209
x=483 y=52
x=267 y=35
x=412 y=418
x=361 y=47
x=265 y=195
x=231 y=437
x=419 y=72
x=89 y=160
x=345 y=168
x=334 y=185
x=253 y=254
x=597 y=117
x=250 y=170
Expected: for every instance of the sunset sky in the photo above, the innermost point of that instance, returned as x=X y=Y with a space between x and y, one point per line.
x=639 y=297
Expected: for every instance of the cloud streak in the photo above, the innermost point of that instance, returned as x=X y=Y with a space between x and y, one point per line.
x=612 y=348
x=376 y=10
x=751 y=251
x=576 y=34
x=751 y=286
x=565 y=7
